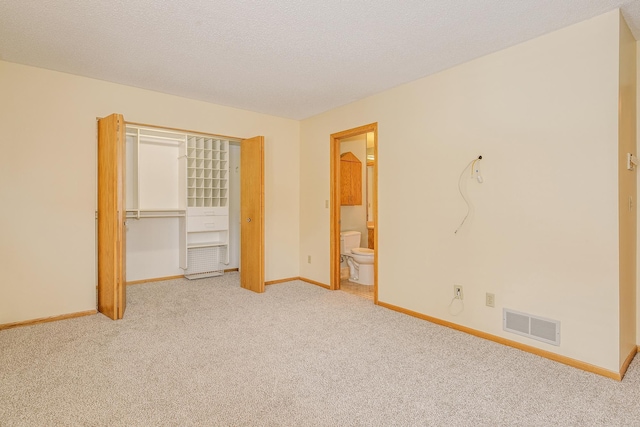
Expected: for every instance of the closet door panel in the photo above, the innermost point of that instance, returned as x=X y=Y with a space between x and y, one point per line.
x=111 y=216
x=252 y=214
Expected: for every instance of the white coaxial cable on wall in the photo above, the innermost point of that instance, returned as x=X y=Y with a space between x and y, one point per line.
x=474 y=168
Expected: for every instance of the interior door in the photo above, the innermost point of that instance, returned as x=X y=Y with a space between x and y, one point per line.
x=252 y=214
x=111 y=216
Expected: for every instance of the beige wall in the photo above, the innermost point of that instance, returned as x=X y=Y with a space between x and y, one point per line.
x=627 y=190
x=48 y=181
x=544 y=236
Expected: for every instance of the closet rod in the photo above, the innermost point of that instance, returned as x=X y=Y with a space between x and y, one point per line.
x=158 y=210
x=144 y=137
x=140 y=215
x=155 y=216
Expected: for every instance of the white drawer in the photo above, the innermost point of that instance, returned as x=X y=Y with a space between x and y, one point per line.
x=207 y=211
x=207 y=223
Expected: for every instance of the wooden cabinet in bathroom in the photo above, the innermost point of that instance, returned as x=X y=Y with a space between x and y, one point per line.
x=350 y=180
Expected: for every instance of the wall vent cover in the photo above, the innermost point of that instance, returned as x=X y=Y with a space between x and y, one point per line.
x=527 y=325
x=204 y=262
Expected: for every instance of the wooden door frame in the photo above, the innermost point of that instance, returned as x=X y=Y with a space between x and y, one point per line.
x=335 y=140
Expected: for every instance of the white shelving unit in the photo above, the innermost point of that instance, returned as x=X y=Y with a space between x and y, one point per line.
x=171 y=174
x=207 y=234
x=207 y=172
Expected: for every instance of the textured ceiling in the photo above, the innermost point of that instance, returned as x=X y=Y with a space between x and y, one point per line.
x=282 y=57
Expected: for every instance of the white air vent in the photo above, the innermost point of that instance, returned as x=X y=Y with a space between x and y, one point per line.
x=204 y=262
x=535 y=327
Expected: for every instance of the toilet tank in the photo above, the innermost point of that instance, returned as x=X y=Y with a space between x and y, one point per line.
x=348 y=241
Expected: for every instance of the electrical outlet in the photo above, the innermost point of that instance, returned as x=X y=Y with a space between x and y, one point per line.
x=490 y=300
x=457 y=291
x=309 y=259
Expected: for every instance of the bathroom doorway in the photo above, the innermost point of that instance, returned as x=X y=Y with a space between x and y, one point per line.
x=366 y=208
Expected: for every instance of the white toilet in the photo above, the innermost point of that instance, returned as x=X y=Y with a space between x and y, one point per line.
x=359 y=260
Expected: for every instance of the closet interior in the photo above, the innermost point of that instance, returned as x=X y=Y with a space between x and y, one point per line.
x=177 y=203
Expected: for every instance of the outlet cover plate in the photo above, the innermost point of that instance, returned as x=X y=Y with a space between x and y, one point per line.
x=490 y=300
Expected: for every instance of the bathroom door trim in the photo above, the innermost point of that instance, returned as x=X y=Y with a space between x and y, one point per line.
x=335 y=204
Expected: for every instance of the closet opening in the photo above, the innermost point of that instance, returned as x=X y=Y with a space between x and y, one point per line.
x=178 y=189
x=172 y=203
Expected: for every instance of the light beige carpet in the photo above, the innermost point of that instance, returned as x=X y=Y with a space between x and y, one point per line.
x=207 y=353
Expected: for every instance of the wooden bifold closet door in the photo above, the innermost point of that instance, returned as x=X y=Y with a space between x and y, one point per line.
x=252 y=214
x=111 y=216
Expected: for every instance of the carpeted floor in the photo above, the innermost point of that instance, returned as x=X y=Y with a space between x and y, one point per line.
x=207 y=353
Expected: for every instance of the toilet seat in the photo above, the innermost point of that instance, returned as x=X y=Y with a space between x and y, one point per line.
x=363 y=256
x=362 y=251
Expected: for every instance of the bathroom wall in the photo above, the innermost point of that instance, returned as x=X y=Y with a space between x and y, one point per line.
x=370 y=176
x=543 y=236
x=354 y=218
x=48 y=175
